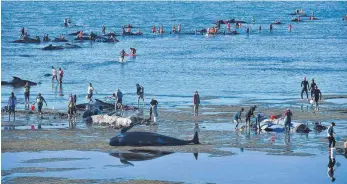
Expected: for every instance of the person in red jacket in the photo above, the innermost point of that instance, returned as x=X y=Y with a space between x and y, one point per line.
x=196 y=101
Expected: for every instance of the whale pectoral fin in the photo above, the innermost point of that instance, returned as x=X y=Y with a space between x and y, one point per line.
x=123 y=161
x=128 y=128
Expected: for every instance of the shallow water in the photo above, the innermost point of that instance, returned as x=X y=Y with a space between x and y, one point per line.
x=232 y=69
x=243 y=167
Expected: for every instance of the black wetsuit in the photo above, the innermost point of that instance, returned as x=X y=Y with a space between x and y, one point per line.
x=288 y=120
x=249 y=114
x=317 y=95
x=313 y=86
x=305 y=86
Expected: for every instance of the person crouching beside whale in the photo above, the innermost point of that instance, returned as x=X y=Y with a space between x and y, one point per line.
x=12 y=101
x=39 y=101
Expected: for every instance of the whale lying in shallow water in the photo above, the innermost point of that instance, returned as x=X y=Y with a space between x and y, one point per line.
x=148 y=139
x=16 y=81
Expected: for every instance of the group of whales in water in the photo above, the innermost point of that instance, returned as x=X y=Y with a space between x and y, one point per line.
x=111 y=36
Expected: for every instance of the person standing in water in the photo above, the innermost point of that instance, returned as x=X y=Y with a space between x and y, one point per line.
x=140 y=94
x=119 y=98
x=288 y=120
x=270 y=27
x=196 y=102
x=290 y=28
x=26 y=94
x=122 y=54
x=54 y=74
x=317 y=96
x=71 y=106
x=312 y=87
x=331 y=133
x=61 y=75
x=250 y=114
x=39 y=101
x=237 y=117
x=12 y=102
x=103 y=29
x=90 y=91
x=305 y=86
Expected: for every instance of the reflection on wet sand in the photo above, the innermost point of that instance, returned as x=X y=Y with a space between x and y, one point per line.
x=142 y=155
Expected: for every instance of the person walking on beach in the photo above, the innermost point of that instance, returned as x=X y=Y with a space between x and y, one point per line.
x=288 y=119
x=26 y=94
x=39 y=101
x=196 y=101
x=153 y=111
x=54 y=74
x=90 y=92
x=71 y=106
x=331 y=133
x=317 y=96
x=250 y=114
x=237 y=117
x=312 y=87
x=305 y=86
x=61 y=75
x=140 y=93
x=12 y=101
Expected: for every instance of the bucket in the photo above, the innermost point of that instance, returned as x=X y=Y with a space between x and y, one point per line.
x=32 y=107
x=32 y=127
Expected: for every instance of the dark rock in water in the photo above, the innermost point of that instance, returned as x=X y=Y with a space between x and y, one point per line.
x=47 y=75
x=18 y=82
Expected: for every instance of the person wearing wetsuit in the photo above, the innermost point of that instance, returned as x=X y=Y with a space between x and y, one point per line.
x=250 y=114
x=103 y=29
x=23 y=32
x=140 y=93
x=12 y=101
x=317 y=96
x=196 y=102
x=39 y=101
x=153 y=110
x=331 y=133
x=122 y=54
x=26 y=94
x=305 y=86
x=237 y=117
x=259 y=28
x=288 y=120
x=312 y=87
x=75 y=103
x=270 y=27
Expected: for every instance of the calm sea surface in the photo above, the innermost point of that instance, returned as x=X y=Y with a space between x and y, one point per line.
x=226 y=69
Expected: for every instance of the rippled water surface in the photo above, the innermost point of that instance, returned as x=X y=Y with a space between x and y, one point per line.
x=262 y=65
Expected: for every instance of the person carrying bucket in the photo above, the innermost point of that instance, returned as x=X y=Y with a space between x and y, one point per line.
x=39 y=101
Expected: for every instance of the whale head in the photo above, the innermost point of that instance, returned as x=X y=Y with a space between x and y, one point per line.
x=116 y=140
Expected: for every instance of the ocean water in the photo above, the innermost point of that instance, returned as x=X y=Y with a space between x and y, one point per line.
x=234 y=69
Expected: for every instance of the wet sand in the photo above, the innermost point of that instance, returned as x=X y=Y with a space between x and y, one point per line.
x=177 y=122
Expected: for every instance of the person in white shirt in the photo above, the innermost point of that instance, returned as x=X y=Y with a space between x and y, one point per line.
x=90 y=92
x=54 y=74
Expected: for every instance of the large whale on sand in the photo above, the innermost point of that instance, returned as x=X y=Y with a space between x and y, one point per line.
x=147 y=139
x=16 y=81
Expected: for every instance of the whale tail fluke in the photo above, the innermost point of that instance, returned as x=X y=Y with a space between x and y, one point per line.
x=196 y=138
